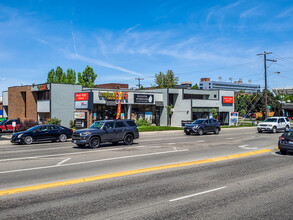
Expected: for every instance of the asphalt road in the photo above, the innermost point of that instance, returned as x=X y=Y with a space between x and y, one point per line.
x=250 y=187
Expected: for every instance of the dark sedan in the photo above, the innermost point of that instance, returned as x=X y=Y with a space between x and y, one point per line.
x=286 y=142
x=42 y=133
x=203 y=126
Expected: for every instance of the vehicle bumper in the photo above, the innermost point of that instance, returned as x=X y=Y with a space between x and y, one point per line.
x=191 y=131
x=265 y=129
x=82 y=140
x=16 y=140
x=285 y=146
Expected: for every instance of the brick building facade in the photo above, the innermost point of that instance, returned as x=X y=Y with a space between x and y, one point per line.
x=22 y=103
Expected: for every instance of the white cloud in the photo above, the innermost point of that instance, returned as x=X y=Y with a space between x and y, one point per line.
x=286 y=13
x=251 y=12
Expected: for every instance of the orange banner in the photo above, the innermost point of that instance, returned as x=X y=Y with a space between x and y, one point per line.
x=119 y=106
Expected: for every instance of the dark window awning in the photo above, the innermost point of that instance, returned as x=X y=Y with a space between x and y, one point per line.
x=159 y=103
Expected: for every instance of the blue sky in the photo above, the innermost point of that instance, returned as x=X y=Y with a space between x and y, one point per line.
x=123 y=40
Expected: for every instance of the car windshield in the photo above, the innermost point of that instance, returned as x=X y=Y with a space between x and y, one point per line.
x=97 y=125
x=2 y=122
x=200 y=121
x=270 y=120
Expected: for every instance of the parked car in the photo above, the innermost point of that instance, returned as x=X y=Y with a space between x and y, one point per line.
x=274 y=124
x=106 y=131
x=42 y=133
x=6 y=125
x=202 y=126
x=285 y=143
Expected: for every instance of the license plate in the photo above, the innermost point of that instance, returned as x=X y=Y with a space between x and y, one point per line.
x=187 y=129
x=290 y=142
x=74 y=141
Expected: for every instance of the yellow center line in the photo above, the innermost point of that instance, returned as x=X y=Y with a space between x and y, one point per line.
x=130 y=172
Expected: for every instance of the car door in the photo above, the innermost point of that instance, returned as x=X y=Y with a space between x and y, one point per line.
x=281 y=124
x=109 y=132
x=211 y=125
x=41 y=133
x=53 y=132
x=8 y=125
x=120 y=128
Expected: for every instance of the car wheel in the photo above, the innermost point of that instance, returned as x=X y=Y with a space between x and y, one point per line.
x=62 y=137
x=274 y=130
x=187 y=133
x=283 y=152
x=95 y=142
x=80 y=145
x=200 y=131
x=28 y=140
x=115 y=142
x=287 y=128
x=217 y=131
x=259 y=131
x=128 y=139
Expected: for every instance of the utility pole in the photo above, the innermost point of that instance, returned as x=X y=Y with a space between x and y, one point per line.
x=139 y=81
x=264 y=54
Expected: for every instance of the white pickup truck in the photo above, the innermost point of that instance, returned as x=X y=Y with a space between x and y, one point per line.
x=274 y=124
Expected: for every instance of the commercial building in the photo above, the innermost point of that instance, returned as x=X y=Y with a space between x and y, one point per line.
x=1 y=108
x=236 y=86
x=287 y=108
x=85 y=105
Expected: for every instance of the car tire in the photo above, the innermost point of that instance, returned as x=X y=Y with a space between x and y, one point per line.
x=80 y=145
x=115 y=142
x=95 y=142
x=287 y=128
x=128 y=139
x=28 y=140
x=259 y=131
x=200 y=131
x=283 y=152
x=274 y=130
x=62 y=138
x=187 y=133
x=217 y=131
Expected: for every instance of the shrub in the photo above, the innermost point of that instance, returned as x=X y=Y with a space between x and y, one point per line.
x=26 y=124
x=71 y=124
x=53 y=121
x=142 y=122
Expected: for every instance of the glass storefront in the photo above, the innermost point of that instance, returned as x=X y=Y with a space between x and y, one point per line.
x=104 y=112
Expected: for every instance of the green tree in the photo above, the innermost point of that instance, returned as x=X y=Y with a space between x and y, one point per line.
x=169 y=113
x=167 y=80
x=214 y=113
x=58 y=74
x=51 y=76
x=71 y=76
x=195 y=86
x=87 y=77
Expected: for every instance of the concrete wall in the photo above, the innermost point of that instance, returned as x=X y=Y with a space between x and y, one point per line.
x=62 y=101
x=5 y=98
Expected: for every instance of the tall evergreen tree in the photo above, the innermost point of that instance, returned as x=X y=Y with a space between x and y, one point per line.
x=87 y=78
x=71 y=76
x=51 y=76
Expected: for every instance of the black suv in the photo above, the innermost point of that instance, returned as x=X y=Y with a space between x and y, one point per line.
x=202 y=126
x=106 y=131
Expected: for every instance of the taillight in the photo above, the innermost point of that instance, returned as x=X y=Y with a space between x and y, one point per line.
x=281 y=138
x=71 y=130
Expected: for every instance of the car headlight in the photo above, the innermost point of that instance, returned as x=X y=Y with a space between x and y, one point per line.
x=195 y=127
x=271 y=125
x=19 y=136
x=83 y=134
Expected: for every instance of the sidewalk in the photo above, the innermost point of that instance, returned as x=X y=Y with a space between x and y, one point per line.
x=5 y=139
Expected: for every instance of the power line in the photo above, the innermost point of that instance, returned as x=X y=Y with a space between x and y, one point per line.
x=139 y=85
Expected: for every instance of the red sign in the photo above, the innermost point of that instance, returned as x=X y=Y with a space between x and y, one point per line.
x=81 y=96
x=227 y=99
x=43 y=87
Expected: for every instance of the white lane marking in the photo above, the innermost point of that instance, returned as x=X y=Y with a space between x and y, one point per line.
x=64 y=154
x=175 y=149
x=230 y=138
x=63 y=161
x=246 y=147
x=196 y=194
x=200 y=141
x=92 y=161
x=171 y=143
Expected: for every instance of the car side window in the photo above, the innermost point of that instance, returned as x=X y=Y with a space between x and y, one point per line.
x=43 y=128
x=281 y=120
x=120 y=124
x=52 y=127
x=9 y=122
x=287 y=119
x=109 y=125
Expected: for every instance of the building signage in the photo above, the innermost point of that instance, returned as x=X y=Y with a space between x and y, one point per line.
x=113 y=95
x=143 y=98
x=79 y=115
x=43 y=87
x=81 y=96
x=83 y=100
x=227 y=99
x=80 y=124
